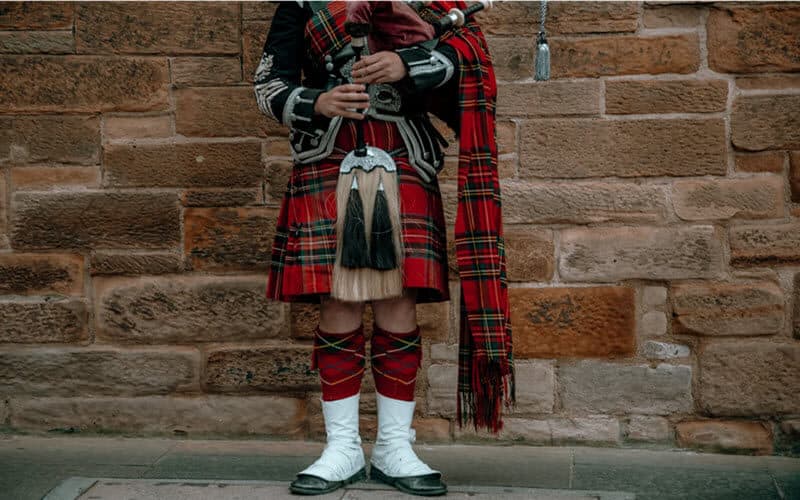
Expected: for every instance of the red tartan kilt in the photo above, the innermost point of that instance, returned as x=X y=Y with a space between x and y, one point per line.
x=304 y=248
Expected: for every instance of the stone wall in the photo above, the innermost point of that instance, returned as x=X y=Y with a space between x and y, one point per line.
x=651 y=194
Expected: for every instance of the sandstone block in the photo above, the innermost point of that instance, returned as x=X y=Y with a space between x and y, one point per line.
x=548 y=98
x=205 y=71
x=760 y=122
x=37 y=42
x=566 y=322
x=229 y=238
x=199 y=164
x=725 y=436
x=137 y=127
x=220 y=112
x=157 y=28
x=37 y=15
x=442 y=389
x=84 y=84
x=530 y=255
x=98 y=370
x=599 y=386
x=652 y=349
x=671 y=16
x=120 y=262
x=728 y=308
x=61 y=139
x=594 y=429
x=794 y=175
x=625 y=55
x=618 y=253
x=512 y=57
x=163 y=415
x=40 y=321
x=777 y=244
x=535 y=386
x=648 y=428
x=753 y=38
x=46 y=177
x=82 y=219
x=221 y=197
x=594 y=147
x=267 y=368
x=749 y=378
x=582 y=202
x=514 y=18
x=186 y=309
x=666 y=96
x=38 y=274
x=767 y=161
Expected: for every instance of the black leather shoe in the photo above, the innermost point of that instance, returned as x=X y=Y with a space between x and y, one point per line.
x=306 y=484
x=428 y=485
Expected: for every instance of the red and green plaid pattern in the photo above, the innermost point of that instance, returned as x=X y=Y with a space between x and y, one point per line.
x=486 y=369
x=340 y=359
x=395 y=359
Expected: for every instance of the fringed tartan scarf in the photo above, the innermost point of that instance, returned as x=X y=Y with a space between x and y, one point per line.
x=485 y=361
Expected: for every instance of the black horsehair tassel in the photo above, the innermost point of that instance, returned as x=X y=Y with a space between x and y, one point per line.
x=354 y=237
x=382 y=251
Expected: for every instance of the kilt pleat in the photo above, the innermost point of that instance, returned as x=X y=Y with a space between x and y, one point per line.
x=304 y=247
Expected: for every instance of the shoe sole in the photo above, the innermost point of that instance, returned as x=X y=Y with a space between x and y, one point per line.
x=377 y=475
x=358 y=476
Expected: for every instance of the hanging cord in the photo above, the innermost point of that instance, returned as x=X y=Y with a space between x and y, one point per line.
x=542 y=49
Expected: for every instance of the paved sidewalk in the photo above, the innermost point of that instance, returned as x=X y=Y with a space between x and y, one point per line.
x=127 y=468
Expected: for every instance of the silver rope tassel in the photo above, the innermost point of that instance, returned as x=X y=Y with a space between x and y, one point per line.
x=542 y=49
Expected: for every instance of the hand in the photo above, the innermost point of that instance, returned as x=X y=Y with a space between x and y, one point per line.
x=341 y=100
x=381 y=67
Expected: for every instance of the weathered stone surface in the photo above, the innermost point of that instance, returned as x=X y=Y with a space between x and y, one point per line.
x=84 y=84
x=625 y=55
x=671 y=16
x=432 y=318
x=566 y=322
x=278 y=174
x=67 y=371
x=186 y=309
x=442 y=389
x=595 y=429
x=592 y=147
x=222 y=111
x=536 y=386
x=750 y=377
x=266 y=368
x=163 y=415
x=654 y=297
x=38 y=274
x=184 y=164
x=258 y=10
x=254 y=36
x=116 y=262
x=774 y=82
x=761 y=122
x=303 y=319
x=3 y=213
x=796 y=306
x=62 y=139
x=652 y=349
x=95 y=219
x=444 y=352
x=648 y=428
x=617 y=253
x=202 y=71
x=530 y=255
x=582 y=202
x=666 y=96
x=652 y=324
x=37 y=42
x=36 y=15
x=765 y=244
x=599 y=386
x=221 y=197
x=137 y=127
x=753 y=38
x=727 y=308
x=512 y=57
x=229 y=238
x=47 y=177
x=549 y=98
x=768 y=161
x=725 y=436
x=794 y=175
x=515 y=18
x=746 y=198
x=157 y=28
x=517 y=429
x=34 y=321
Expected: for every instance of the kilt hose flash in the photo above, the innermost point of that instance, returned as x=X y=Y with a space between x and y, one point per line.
x=304 y=248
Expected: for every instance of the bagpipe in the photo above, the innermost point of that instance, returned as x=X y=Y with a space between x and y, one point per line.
x=369 y=249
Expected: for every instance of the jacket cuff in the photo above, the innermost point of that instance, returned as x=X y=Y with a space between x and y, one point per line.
x=298 y=111
x=426 y=68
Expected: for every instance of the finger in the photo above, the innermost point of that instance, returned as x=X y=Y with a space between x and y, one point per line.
x=349 y=87
x=352 y=98
x=350 y=114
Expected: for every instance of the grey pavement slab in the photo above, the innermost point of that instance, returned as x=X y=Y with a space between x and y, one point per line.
x=80 y=488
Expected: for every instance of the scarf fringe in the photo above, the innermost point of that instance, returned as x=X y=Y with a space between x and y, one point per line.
x=492 y=387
